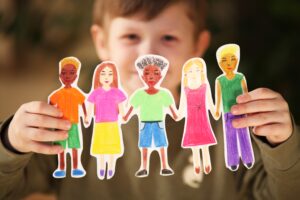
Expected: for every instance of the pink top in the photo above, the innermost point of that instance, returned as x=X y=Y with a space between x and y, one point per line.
x=106 y=103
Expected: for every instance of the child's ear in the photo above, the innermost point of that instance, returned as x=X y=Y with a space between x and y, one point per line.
x=202 y=43
x=99 y=42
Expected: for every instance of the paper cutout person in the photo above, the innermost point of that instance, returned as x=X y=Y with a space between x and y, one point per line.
x=151 y=104
x=68 y=98
x=106 y=100
x=229 y=86
x=195 y=102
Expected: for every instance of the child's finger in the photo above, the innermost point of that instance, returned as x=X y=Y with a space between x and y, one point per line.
x=39 y=107
x=43 y=121
x=260 y=93
x=43 y=135
x=43 y=148
x=265 y=105
x=259 y=119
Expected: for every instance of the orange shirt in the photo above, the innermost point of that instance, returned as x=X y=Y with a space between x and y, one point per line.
x=68 y=100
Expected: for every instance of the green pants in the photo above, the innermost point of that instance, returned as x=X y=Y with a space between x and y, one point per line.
x=72 y=141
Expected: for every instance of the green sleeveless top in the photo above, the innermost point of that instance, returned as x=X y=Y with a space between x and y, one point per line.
x=230 y=89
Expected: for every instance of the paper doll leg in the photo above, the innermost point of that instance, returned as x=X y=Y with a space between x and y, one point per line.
x=206 y=159
x=246 y=147
x=196 y=160
x=60 y=172
x=232 y=154
x=101 y=166
x=111 y=166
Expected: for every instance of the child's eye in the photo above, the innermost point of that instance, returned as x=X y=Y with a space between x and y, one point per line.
x=169 y=38
x=131 y=38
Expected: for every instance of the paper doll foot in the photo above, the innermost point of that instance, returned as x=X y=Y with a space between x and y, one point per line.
x=233 y=167
x=59 y=174
x=249 y=165
x=167 y=172
x=141 y=173
x=78 y=173
x=101 y=174
x=207 y=169
x=110 y=174
x=197 y=170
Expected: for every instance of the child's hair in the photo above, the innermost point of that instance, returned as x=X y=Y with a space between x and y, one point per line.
x=188 y=64
x=150 y=59
x=226 y=49
x=69 y=61
x=105 y=10
x=98 y=70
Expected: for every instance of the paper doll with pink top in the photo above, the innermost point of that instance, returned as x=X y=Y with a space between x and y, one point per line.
x=106 y=101
x=195 y=102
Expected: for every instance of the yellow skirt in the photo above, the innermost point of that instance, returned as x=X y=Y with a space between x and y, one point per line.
x=106 y=139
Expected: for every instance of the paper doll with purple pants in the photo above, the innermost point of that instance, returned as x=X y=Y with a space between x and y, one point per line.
x=229 y=86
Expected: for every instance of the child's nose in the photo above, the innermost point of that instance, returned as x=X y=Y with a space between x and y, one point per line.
x=148 y=46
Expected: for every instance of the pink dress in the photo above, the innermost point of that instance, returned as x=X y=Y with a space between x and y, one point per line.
x=197 y=130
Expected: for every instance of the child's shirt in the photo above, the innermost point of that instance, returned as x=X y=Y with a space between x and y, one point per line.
x=151 y=107
x=68 y=100
x=106 y=103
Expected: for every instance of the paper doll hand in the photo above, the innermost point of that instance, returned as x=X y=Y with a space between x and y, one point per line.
x=31 y=127
x=216 y=115
x=267 y=112
x=86 y=121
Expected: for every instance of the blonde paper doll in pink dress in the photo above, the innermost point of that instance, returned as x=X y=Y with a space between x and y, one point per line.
x=195 y=102
x=107 y=100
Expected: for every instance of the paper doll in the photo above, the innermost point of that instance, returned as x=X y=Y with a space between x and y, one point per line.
x=229 y=86
x=107 y=99
x=151 y=104
x=195 y=102
x=68 y=98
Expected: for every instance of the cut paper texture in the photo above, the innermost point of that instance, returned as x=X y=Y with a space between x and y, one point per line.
x=195 y=102
x=229 y=85
x=106 y=105
x=151 y=103
x=69 y=98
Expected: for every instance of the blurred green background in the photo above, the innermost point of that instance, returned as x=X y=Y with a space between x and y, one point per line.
x=35 y=35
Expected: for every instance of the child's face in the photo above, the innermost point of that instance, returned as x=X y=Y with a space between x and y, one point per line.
x=228 y=63
x=106 y=76
x=170 y=34
x=151 y=75
x=68 y=74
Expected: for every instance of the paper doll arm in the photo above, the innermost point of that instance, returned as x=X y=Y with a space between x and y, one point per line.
x=173 y=112
x=90 y=112
x=210 y=102
x=182 y=106
x=126 y=117
x=244 y=85
x=85 y=113
x=218 y=100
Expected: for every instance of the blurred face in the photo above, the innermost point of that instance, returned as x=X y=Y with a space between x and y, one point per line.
x=106 y=76
x=170 y=34
x=68 y=74
x=228 y=63
x=151 y=75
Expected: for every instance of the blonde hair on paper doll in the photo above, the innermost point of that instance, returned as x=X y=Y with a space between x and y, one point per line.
x=228 y=49
x=69 y=61
x=199 y=62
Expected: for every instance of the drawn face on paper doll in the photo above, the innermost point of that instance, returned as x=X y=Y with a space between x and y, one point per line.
x=228 y=63
x=151 y=75
x=106 y=76
x=68 y=74
x=194 y=72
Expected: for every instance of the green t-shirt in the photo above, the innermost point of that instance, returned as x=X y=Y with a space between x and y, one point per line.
x=151 y=107
x=231 y=89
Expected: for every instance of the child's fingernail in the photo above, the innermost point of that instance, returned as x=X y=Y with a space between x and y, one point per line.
x=68 y=125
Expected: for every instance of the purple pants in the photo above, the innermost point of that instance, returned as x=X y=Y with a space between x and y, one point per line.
x=238 y=142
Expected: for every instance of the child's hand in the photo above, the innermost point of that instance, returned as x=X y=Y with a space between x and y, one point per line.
x=267 y=112
x=29 y=129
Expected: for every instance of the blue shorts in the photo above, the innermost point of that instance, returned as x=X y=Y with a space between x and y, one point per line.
x=152 y=131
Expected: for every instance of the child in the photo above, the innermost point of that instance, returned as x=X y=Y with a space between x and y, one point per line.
x=122 y=31
x=107 y=102
x=67 y=99
x=195 y=96
x=151 y=102
x=228 y=87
